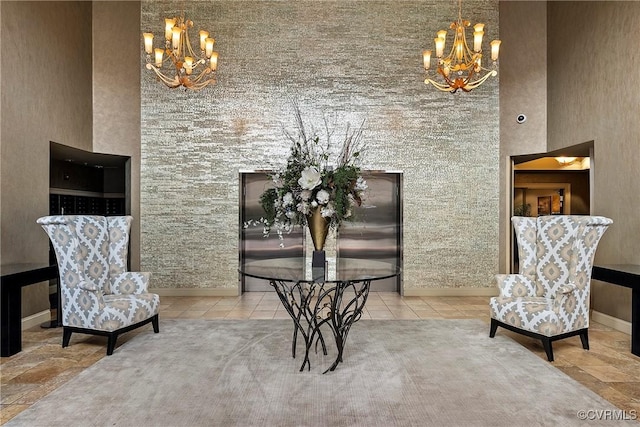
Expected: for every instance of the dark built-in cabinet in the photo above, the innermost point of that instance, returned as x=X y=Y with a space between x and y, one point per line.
x=68 y=204
x=85 y=183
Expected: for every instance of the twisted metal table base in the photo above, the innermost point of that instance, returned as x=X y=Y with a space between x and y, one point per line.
x=311 y=305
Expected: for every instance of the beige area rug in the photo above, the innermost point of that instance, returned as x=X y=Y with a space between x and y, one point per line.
x=241 y=373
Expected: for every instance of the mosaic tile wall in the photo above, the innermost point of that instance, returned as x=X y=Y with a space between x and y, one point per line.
x=356 y=59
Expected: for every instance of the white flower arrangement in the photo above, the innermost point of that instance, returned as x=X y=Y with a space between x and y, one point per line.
x=309 y=181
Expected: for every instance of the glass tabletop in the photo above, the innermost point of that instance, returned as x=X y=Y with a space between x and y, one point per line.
x=292 y=270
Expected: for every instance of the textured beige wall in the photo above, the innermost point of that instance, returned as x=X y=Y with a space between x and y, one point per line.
x=116 y=94
x=599 y=76
x=360 y=59
x=523 y=89
x=46 y=96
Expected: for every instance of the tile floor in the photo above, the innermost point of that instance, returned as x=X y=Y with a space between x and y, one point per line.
x=609 y=369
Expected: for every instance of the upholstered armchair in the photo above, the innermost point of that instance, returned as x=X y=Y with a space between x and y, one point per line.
x=549 y=299
x=98 y=295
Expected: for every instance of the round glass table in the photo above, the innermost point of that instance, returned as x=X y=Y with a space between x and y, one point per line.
x=319 y=299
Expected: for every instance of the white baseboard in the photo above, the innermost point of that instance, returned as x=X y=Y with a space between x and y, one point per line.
x=451 y=292
x=36 y=319
x=612 y=322
x=196 y=292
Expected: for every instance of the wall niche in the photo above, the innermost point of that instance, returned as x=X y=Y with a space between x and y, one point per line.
x=86 y=183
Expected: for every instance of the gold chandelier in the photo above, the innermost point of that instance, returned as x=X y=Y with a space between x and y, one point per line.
x=177 y=64
x=462 y=68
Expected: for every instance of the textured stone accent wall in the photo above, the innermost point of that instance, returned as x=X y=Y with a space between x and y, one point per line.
x=356 y=59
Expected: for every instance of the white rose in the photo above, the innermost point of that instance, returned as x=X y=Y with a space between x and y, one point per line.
x=322 y=197
x=310 y=178
x=305 y=194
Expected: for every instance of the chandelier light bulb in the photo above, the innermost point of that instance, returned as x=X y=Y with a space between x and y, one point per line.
x=426 y=59
x=168 y=28
x=213 y=61
x=478 y=32
x=439 y=46
x=159 y=54
x=148 y=43
x=203 y=37
x=208 y=47
x=495 y=49
x=175 y=37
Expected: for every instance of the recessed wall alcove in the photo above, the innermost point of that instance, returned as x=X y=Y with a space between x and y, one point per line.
x=82 y=182
x=375 y=231
x=86 y=183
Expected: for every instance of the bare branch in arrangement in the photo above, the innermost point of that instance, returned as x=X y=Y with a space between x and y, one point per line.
x=351 y=146
x=315 y=150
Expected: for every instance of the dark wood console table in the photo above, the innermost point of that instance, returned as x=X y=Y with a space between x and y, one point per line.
x=627 y=275
x=14 y=278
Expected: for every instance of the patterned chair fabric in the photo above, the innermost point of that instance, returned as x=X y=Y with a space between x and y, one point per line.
x=549 y=298
x=97 y=291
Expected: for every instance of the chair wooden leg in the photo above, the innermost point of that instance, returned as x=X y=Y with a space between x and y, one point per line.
x=111 y=344
x=584 y=337
x=66 y=337
x=156 y=325
x=112 y=336
x=546 y=343
x=494 y=328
